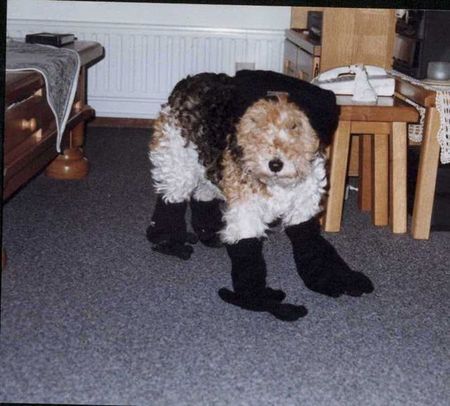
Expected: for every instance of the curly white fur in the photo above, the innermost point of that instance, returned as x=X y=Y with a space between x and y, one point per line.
x=294 y=204
x=177 y=173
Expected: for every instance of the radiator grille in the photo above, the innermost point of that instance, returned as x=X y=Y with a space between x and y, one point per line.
x=143 y=62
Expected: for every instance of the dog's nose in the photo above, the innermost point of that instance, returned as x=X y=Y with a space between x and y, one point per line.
x=275 y=165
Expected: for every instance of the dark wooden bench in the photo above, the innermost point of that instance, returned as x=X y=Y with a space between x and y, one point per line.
x=30 y=128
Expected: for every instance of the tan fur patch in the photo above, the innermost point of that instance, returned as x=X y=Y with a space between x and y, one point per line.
x=157 y=134
x=272 y=128
x=236 y=185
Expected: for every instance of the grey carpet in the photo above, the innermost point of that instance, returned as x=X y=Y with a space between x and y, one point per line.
x=91 y=315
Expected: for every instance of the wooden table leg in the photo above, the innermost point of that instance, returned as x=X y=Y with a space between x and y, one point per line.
x=72 y=164
x=77 y=136
x=426 y=177
x=380 y=171
x=337 y=177
x=398 y=178
x=365 y=172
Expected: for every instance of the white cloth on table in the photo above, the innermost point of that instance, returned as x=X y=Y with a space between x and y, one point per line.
x=415 y=131
x=60 y=68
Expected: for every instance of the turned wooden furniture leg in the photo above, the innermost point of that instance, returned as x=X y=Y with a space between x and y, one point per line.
x=337 y=177
x=365 y=172
x=77 y=136
x=426 y=177
x=72 y=164
x=380 y=181
x=323 y=214
x=398 y=178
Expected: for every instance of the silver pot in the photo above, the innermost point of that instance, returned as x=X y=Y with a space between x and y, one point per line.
x=438 y=70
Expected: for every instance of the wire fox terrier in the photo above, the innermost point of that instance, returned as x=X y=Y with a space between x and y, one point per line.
x=245 y=152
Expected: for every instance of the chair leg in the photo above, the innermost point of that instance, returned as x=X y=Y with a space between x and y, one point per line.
x=337 y=178
x=353 y=160
x=365 y=172
x=426 y=177
x=380 y=170
x=398 y=174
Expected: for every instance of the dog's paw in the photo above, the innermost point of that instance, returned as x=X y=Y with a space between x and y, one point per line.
x=324 y=271
x=171 y=244
x=191 y=238
x=157 y=236
x=356 y=284
x=274 y=294
x=211 y=240
x=176 y=249
x=263 y=303
x=335 y=281
x=288 y=312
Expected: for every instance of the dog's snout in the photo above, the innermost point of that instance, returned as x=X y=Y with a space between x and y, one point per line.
x=275 y=165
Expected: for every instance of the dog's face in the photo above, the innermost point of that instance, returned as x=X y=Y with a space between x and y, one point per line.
x=277 y=141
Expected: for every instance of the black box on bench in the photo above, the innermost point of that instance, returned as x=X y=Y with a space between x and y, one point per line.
x=48 y=38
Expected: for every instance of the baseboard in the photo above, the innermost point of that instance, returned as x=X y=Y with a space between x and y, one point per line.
x=121 y=122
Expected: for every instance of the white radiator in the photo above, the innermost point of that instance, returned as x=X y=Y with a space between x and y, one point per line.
x=143 y=62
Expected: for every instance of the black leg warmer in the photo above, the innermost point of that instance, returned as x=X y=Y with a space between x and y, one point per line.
x=248 y=274
x=320 y=266
x=167 y=230
x=207 y=221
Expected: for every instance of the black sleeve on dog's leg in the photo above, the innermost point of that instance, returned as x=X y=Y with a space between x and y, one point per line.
x=168 y=221
x=207 y=221
x=248 y=274
x=248 y=268
x=320 y=266
x=168 y=229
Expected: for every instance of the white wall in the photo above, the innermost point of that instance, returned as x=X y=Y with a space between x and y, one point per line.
x=150 y=46
x=199 y=15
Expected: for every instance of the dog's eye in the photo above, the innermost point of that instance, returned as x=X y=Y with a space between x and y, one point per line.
x=293 y=126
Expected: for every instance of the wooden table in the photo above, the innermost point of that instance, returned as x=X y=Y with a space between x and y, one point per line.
x=383 y=157
x=30 y=127
x=429 y=157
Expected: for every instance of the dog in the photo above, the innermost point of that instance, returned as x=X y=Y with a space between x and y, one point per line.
x=245 y=152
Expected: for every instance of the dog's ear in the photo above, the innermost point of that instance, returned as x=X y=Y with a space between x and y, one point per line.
x=318 y=104
x=322 y=111
x=280 y=96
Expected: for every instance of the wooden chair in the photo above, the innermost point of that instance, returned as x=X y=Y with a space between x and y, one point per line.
x=383 y=161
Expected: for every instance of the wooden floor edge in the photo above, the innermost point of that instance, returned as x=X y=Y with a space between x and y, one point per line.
x=121 y=122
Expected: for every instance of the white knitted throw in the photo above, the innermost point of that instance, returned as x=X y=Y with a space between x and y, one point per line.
x=415 y=131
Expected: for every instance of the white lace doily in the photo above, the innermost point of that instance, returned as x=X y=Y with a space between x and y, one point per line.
x=415 y=131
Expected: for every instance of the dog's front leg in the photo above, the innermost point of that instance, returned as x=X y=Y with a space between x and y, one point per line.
x=243 y=240
x=248 y=274
x=207 y=221
x=167 y=230
x=320 y=266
